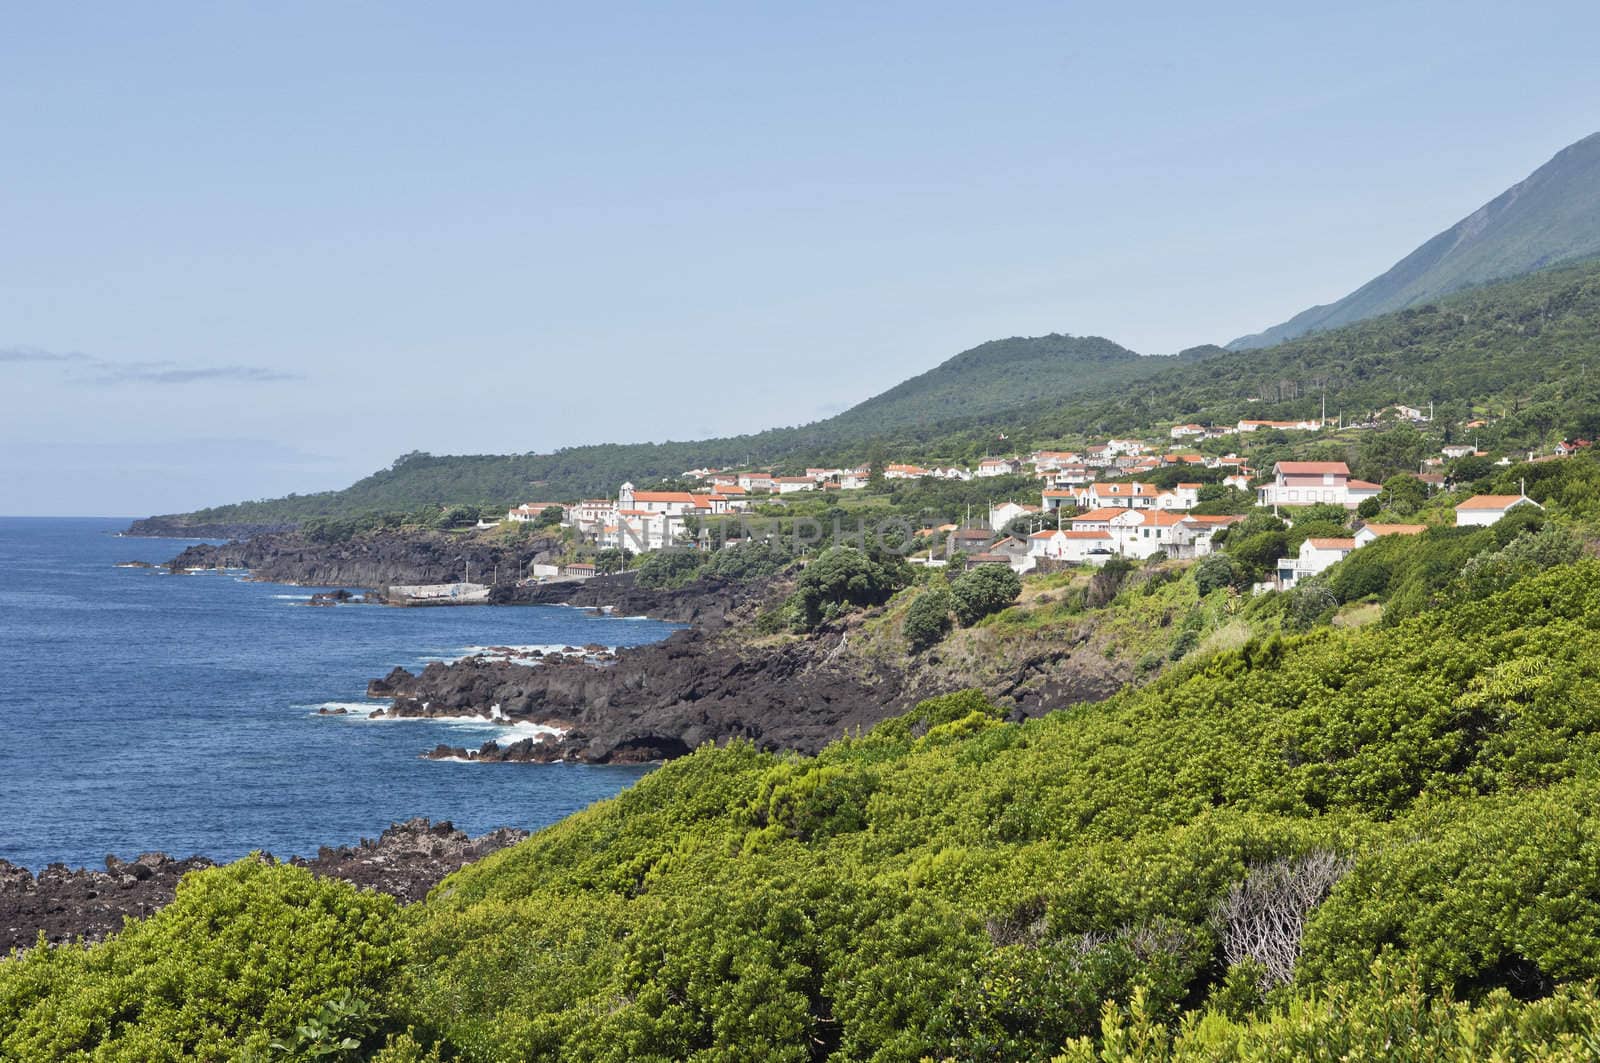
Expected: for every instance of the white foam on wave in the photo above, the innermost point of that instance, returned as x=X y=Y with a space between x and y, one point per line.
x=518 y=654
x=352 y=708
x=293 y=597
x=496 y=725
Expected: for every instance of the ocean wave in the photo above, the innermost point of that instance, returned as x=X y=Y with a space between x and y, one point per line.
x=518 y=654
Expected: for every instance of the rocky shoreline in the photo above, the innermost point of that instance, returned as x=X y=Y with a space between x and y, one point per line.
x=176 y=528
x=406 y=861
x=715 y=681
x=372 y=562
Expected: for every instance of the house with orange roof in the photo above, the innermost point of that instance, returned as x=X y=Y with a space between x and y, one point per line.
x=1369 y=533
x=1480 y=511
x=1308 y=483
x=532 y=511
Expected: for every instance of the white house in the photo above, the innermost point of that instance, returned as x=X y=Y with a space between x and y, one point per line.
x=1182 y=431
x=1458 y=450
x=1305 y=483
x=1194 y=535
x=531 y=511
x=1006 y=512
x=788 y=485
x=997 y=467
x=1055 y=498
x=1480 y=511
x=1316 y=556
x=592 y=514
x=852 y=480
x=1134 y=532
x=1132 y=447
x=1370 y=533
x=905 y=472
x=1076 y=547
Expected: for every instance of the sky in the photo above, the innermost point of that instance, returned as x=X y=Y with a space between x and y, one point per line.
x=249 y=249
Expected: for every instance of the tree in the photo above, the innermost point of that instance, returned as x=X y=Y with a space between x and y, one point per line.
x=669 y=568
x=928 y=620
x=1215 y=571
x=986 y=589
x=1403 y=495
x=842 y=577
x=549 y=517
x=1369 y=508
x=611 y=560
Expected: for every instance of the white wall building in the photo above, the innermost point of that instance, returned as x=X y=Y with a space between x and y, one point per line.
x=1480 y=511
x=1306 y=483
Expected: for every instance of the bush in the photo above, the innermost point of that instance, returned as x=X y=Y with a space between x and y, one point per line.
x=986 y=589
x=842 y=578
x=748 y=562
x=928 y=619
x=611 y=560
x=245 y=955
x=1214 y=572
x=665 y=569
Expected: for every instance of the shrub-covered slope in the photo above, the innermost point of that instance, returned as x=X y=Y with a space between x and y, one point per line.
x=1305 y=846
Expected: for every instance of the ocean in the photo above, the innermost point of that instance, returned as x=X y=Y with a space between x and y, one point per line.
x=144 y=711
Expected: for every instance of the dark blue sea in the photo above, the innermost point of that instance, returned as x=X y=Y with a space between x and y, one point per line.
x=143 y=711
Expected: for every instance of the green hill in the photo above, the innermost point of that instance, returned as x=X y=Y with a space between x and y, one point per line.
x=1525 y=353
x=1552 y=216
x=996 y=376
x=986 y=381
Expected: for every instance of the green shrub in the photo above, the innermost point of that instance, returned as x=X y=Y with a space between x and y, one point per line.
x=666 y=569
x=245 y=955
x=985 y=590
x=928 y=618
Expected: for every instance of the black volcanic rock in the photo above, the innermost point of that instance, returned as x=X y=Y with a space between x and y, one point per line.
x=179 y=528
x=406 y=861
x=375 y=560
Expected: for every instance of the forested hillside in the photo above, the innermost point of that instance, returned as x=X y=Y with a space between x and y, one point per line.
x=997 y=376
x=1553 y=216
x=1526 y=352
x=1318 y=846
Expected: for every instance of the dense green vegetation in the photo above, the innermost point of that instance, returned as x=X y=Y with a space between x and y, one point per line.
x=1300 y=846
x=1552 y=216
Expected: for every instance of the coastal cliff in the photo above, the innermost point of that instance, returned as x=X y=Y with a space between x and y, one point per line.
x=182 y=528
x=720 y=680
x=374 y=560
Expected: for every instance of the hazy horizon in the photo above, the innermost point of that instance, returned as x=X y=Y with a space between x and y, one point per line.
x=257 y=251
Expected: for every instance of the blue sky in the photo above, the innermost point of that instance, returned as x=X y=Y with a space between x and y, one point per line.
x=251 y=249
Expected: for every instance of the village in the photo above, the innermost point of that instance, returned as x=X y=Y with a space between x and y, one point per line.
x=1118 y=498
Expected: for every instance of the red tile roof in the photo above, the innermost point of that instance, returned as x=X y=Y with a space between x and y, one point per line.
x=1493 y=501
x=1312 y=468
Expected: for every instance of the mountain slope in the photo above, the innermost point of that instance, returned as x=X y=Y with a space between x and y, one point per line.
x=993 y=376
x=983 y=382
x=1551 y=217
x=1521 y=349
